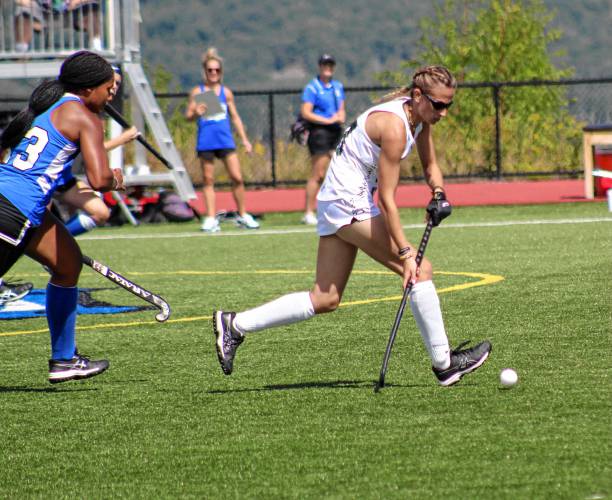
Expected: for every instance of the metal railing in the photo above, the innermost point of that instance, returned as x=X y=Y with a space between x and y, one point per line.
x=41 y=29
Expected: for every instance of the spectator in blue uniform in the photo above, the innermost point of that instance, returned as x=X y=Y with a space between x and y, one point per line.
x=60 y=122
x=215 y=140
x=323 y=107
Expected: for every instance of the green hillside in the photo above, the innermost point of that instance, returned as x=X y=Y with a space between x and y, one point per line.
x=275 y=43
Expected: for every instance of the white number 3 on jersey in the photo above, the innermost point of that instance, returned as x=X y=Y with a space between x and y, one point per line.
x=38 y=140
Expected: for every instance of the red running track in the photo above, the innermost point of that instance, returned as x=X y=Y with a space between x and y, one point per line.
x=418 y=195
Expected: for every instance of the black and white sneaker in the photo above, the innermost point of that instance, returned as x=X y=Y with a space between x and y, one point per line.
x=10 y=292
x=228 y=339
x=462 y=362
x=78 y=367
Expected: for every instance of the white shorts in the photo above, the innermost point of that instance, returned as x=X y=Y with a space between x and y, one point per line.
x=332 y=215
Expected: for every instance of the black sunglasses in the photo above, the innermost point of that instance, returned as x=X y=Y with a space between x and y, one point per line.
x=438 y=105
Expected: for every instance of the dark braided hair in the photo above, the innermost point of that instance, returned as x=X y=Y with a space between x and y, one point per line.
x=82 y=70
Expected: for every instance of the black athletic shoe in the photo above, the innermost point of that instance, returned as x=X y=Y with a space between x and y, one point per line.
x=228 y=339
x=76 y=368
x=10 y=292
x=463 y=362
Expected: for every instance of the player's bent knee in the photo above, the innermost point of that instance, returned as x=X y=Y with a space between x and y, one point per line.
x=66 y=273
x=100 y=215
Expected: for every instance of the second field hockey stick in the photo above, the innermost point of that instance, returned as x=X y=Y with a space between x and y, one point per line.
x=400 y=311
x=130 y=286
x=119 y=118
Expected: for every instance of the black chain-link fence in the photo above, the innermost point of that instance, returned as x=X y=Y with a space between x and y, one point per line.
x=496 y=145
x=482 y=137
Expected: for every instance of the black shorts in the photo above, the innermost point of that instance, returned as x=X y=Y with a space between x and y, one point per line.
x=215 y=153
x=15 y=233
x=323 y=138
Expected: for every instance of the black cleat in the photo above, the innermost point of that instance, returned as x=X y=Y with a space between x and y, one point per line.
x=78 y=367
x=463 y=362
x=10 y=292
x=228 y=339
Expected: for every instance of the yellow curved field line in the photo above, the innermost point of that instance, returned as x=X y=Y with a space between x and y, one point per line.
x=483 y=279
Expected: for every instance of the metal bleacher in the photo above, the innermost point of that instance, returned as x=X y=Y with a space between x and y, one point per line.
x=37 y=35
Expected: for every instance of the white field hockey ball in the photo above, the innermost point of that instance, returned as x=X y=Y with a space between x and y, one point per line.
x=508 y=377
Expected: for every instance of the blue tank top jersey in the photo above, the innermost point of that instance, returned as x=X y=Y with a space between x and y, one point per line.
x=325 y=99
x=215 y=132
x=41 y=160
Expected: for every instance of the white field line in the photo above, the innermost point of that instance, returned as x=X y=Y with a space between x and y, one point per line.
x=263 y=232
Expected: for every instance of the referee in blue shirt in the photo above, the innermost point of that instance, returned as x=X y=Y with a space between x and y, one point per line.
x=323 y=107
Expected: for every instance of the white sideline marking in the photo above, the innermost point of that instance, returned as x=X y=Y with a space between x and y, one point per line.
x=263 y=232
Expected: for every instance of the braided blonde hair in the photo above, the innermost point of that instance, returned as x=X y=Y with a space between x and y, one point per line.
x=424 y=78
x=212 y=54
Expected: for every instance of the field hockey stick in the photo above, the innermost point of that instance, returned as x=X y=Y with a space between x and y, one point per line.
x=130 y=286
x=400 y=311
x=119 y=118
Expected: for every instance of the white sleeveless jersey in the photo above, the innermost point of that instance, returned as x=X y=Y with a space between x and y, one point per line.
x=353 y=170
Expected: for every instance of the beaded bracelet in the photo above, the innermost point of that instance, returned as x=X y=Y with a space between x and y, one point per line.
x=405 y=253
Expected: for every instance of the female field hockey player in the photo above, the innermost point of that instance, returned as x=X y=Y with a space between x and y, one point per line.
x=60 y=122
x=77 y=194
x=368 y=158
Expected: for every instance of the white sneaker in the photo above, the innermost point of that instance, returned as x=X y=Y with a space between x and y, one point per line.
x=309 y=219
x=247 y=221
x=9 y=292
x=210 y=225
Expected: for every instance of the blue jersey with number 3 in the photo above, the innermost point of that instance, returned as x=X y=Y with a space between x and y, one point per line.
x=37 y=164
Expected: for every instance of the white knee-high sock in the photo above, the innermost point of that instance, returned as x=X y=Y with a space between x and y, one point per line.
x=425 y=306
x=285 y=310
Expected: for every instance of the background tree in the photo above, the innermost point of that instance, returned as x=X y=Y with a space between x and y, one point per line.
x=497 y=40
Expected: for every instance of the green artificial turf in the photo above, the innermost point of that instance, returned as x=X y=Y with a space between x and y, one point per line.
x=299 y=418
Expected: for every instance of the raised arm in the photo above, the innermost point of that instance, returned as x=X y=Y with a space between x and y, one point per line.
x=194 y=110
x=126 y=136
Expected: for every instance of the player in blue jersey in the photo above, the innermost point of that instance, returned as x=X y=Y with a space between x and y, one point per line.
x=215 y=140
x=78 y=195
x=60 y=122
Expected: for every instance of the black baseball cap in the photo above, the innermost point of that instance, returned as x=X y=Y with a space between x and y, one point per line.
x=327 y=59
